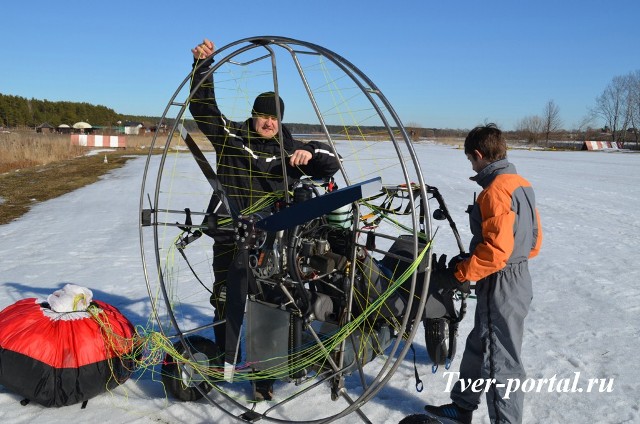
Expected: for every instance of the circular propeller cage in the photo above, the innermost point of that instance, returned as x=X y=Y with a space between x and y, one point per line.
x=358 y=123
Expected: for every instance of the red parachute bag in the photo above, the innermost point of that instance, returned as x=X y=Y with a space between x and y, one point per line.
x=61 y=358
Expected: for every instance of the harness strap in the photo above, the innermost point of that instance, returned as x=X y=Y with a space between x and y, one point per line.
x=419 y=385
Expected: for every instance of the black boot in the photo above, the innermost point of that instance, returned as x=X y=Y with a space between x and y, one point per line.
x=452 y=412
x=263 y=389
x=419 y=419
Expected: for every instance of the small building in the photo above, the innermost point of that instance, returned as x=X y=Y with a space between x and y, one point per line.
x=45 y=128
x=82 y=128
x=133 y=128
x=159 y=128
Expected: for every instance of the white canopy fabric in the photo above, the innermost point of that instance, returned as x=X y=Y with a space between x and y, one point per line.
x=65 y=125
x=81 y=125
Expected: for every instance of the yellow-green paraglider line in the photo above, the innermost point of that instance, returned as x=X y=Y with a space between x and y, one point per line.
x=398 y=224
x=311 y=355
x=150 y=348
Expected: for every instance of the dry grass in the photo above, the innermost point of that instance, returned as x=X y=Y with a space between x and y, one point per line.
x=26 y=149
x=37 y=167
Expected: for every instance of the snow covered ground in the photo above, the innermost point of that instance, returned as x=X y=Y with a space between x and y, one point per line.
x=584 y=322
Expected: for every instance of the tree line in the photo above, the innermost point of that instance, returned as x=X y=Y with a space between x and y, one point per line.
x=618 y=107
x=16 y=111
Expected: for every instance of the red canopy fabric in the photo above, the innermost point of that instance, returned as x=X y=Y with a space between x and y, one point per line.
x=58 y=359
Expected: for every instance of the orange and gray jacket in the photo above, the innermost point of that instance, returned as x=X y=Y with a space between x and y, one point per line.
x=504 y=221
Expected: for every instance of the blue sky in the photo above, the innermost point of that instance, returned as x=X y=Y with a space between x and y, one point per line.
x=443 y=64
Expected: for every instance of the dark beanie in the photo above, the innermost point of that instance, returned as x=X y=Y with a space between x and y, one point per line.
x=265 y=104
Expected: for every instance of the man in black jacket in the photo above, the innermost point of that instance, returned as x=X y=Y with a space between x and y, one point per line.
x=248 y=165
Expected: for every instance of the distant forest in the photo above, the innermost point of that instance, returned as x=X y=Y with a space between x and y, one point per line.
x=20 y=112
x=16 y=111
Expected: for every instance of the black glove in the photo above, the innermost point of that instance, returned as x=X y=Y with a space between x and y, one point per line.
x=458 y=258
x=438 y=263
x=444 y=279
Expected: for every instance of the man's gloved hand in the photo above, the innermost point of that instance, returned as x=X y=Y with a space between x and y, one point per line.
x=444 y=278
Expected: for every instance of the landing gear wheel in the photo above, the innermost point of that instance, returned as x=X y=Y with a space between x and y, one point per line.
x=182 y=380
x=440 y=340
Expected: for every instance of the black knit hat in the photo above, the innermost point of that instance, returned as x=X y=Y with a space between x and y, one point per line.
x=265 y=104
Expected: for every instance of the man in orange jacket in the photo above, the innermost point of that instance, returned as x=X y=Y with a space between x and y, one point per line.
x=506 y=232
